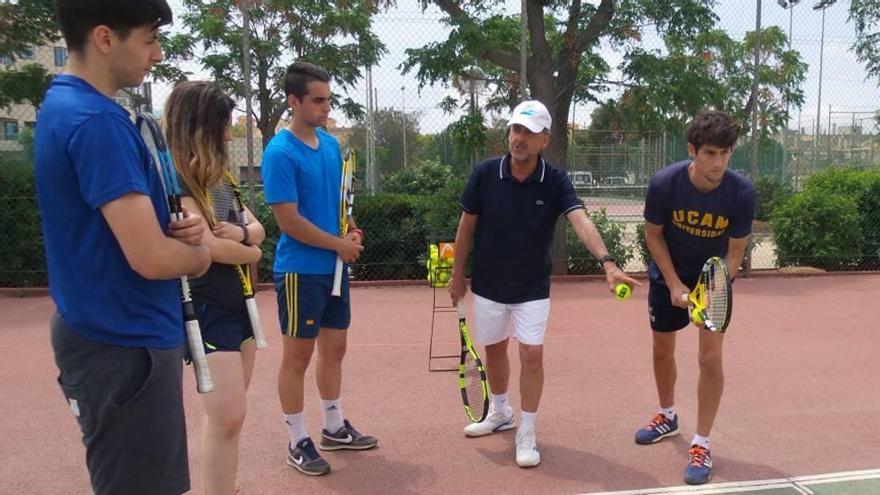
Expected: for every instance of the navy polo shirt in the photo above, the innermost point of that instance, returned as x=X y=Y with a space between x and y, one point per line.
x=515 y=228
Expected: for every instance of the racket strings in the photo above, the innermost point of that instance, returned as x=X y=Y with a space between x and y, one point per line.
x=473 y=385
x=717 y=292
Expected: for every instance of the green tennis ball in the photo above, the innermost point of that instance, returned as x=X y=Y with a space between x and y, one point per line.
x=696 y=316
x=623 y=292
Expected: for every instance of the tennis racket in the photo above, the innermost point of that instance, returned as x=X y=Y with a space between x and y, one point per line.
x=471 y=374
x=155 y=142
x=346 y=202
x=712 y=300
x=244 y=273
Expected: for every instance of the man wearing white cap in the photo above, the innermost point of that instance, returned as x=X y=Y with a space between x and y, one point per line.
x=509 y=211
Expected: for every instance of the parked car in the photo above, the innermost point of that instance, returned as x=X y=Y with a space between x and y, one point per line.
x=614 y=180
x=581 y=178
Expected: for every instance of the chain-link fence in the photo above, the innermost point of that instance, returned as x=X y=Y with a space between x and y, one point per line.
x=817 y=177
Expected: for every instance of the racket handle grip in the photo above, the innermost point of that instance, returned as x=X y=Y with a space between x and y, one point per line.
x=256 y=326
x=337 y=278
x=684 y=297
x=461 y=310
x=204 y=382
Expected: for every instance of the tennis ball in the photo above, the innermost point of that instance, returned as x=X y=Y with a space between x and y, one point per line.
x=696 y=316
x=623 y=292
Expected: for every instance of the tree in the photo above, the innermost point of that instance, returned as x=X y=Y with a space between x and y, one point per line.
x=866 y=16
x=563 y=40
x=23 y=25
x=712 y=69
x=389 y=125
x=336 y=35
x=563 y=63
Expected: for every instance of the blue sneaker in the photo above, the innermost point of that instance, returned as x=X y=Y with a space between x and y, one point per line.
x=659 y=428
x=699 y=468
x=306 y=459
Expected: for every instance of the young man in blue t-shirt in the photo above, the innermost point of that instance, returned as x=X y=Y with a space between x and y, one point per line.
x=509 y=211
x=302 y=171
x=695 y=209
x=112 y=253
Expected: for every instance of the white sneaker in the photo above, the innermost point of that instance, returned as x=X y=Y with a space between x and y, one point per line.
x=495 y=421
x=527 y=454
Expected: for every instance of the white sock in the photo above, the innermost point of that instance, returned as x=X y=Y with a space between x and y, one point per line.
x=701 y=441
x=499 y=402
x=527 y=420
x=669 y=412
x=296 y=427
x=332 y=415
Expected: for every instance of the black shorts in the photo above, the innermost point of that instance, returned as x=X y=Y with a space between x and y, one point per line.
x=223 y=328
x=128 y=402
x=663 y=315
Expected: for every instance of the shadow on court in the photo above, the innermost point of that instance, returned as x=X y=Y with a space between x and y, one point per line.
x=801 y=397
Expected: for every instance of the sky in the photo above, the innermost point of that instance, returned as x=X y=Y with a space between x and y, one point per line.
x=844 y=86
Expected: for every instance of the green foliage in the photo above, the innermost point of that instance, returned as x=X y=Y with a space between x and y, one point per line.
x=264 y=214
x=337 y=35
x=444 y=211
x=390 y=125
x=711 y=69
x=25 y=24
x=24 y=259
x=26 y=84
x=581 y=262
x=770 y=191
x=642 y=244
x=426 y=178
x=813 y=228
x=863 y=186
x=397 y=237
x=865 y=14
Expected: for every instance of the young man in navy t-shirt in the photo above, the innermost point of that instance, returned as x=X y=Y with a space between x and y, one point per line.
x=694 y=210
x=118 y=331
x=509 y=211
x=302 y=170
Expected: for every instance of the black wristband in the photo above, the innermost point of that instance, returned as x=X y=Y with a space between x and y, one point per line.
x=605 y=258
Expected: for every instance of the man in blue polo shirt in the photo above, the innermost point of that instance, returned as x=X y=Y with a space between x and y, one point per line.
x=694 y=209
x=509 y=211
x=118 y=331
x=302 y=171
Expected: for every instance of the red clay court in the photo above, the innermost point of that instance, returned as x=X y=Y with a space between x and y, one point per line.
x=801 y=400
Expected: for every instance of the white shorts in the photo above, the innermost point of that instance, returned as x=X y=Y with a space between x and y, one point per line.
x=492 y=321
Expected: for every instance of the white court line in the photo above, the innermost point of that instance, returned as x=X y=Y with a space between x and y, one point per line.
x=744 y=486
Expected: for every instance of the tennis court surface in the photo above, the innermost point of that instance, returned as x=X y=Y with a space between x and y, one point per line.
x=799 y=415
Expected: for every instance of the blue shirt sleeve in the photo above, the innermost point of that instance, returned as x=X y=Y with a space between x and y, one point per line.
x=471 y=198
x=741 y=223
x=657 y=202
x=279 y=176
x=567 y=199
x=107 y=159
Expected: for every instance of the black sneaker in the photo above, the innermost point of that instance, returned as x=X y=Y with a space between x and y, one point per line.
x=305 y=459
x=346 y=438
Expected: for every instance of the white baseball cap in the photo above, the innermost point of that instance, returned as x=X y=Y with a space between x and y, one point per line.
x=533 y=115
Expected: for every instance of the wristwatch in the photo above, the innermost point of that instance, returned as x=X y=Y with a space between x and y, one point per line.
x=605 y=258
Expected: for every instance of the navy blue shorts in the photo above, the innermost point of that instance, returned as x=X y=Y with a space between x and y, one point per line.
x=305 y=304
x=663 y=315
x=223 y=329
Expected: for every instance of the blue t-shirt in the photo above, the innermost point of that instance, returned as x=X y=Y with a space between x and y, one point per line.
x=698 y=225
x=294 y=172
x=515 y=227
x=87 y=154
